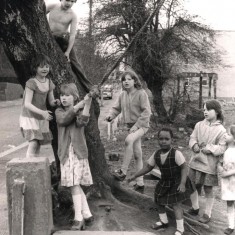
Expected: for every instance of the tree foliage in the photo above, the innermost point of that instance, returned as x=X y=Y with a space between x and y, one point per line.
x=173 y=38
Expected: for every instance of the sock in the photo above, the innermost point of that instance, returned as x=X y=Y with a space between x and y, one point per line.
x=209 y=205
x=163 y=218
x=85 y=207
x=194 y=200
x=180 y=225
x=77 y=202
x=230 y=216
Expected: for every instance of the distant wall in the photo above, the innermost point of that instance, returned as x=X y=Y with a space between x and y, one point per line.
x=226 y=81
x=10 y=91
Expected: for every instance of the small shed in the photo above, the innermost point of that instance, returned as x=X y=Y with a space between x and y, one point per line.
x=205 y=85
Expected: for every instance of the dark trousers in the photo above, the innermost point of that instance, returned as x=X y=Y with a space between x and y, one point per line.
x=62 y=41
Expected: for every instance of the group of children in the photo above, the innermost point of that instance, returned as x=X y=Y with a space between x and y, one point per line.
x=212 y=148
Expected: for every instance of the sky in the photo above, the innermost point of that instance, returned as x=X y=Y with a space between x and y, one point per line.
x=219 y=14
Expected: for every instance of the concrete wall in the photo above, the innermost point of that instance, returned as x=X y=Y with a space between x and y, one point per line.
x=10 y=91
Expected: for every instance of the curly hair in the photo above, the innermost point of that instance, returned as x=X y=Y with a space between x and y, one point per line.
x=166 y=129
x=134 y=76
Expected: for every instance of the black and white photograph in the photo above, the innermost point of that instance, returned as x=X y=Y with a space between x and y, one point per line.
x=117 y=117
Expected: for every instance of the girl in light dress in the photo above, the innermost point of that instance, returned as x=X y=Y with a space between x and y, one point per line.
x=228 y=179
x=71 y=118
x=207 y=143
x=34 y=118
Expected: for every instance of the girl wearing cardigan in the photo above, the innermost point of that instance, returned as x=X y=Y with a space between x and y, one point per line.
x=71 y=118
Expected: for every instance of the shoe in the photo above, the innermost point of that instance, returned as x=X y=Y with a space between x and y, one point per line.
x=192 y=211
x=89 y=220
x=119 y=175
x=161 y=226
x=204 y=219
x=78 y=225
x=228 y=231
x=178 y=232
x=138 y=188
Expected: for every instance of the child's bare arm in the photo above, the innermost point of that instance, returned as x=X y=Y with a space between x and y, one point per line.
x=146 y=169
x=184 y=170
x=72 y=34
x=51 y=99
x=28 y=104
x=228 y=173
x=50 y=6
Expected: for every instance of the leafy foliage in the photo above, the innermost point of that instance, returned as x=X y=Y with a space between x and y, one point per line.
x=171 y=40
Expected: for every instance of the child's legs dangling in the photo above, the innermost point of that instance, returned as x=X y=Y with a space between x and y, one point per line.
x=209 y=199
x=33 y=149
x=77 y=202
x=129 y=142
x=86 y=213
x=179 y=217
x=138 y=158
x=230 y=214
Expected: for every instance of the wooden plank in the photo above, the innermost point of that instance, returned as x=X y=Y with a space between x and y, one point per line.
x=18 y=207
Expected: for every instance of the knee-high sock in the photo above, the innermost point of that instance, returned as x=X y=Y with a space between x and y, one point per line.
x=180 y=225
x=194 y=200
x=230 y=216
x=209 y=205
x=85 y=207
x=163 y=218
x=77 y=203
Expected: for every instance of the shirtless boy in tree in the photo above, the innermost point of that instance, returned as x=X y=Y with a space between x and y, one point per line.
x=63 y=24
x=60 y=18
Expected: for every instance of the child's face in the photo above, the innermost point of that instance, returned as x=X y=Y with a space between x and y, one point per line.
x=165 y=140
x=43 y=70
x=66 y=100
x=128 y=82
x=210 y=115
x=67 y=4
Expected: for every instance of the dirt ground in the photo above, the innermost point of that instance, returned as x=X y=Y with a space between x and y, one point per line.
x=126 y=217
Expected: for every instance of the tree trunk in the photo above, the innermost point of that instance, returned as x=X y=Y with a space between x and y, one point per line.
x=156 y=89
x=24 y=31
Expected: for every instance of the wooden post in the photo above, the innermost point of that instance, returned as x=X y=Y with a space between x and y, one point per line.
x=209 y=91
x=215 y=84
x=109 y=130
x=200 y=90
x=178 y=86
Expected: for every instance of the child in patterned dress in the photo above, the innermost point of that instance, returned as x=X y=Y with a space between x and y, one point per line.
x=228 y=179
x=34 y=118
x=71 y=118
x=174 y=186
